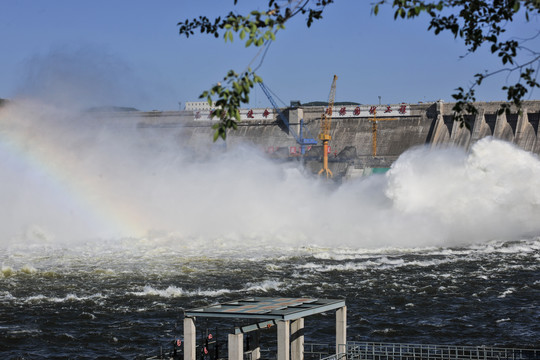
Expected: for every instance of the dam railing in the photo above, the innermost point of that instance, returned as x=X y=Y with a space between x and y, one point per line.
x=397 y=351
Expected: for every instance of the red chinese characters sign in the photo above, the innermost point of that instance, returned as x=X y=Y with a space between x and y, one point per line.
x=374 y=110
x=403 y=109
x=347 y=111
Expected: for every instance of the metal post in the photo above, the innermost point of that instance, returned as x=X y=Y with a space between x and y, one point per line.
x=283 y=334
x=236 y=344
x=297 y=339
x=341 y=327
x=189 y=338
x=302 y=146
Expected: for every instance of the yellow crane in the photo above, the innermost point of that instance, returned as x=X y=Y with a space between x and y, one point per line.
x=326 y=123
x=374 y=121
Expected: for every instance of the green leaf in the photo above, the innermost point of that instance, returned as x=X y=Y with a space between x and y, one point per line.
x=242 y=34
x=230 y=36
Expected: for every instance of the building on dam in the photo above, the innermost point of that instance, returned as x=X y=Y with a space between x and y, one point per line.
x=363 y=136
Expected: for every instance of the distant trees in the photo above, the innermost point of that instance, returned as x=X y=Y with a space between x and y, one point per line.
x=111 y=109
x=477 y=22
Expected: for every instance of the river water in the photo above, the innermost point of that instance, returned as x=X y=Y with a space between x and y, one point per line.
x=108 y=235
x=90 y=302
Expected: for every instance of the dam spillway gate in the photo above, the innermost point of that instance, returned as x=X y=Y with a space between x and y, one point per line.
x=351 y=149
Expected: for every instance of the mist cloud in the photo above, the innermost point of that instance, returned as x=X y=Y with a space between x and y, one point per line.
x=68 y=176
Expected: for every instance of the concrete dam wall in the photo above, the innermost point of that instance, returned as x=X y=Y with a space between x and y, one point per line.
x=357 y=141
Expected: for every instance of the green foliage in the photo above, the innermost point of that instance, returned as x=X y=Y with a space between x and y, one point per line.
x=111 y=109
x=476 y=22
x=256 y=28
x=229 y=98
x=479 y=23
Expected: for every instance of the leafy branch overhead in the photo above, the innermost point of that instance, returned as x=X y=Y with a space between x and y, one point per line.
x=256 y=28
x=258 y=25
x=477 y=22
x=229 y=99
x=482 y=23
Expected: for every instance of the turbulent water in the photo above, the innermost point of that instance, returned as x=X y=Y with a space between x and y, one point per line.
x=108 y=232
x=111 y=302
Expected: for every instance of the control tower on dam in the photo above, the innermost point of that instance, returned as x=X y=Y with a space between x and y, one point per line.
x=363 y=136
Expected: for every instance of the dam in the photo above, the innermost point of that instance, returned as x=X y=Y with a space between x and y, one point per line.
x=363 y=136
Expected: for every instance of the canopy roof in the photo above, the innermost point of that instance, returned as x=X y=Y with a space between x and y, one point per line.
x=267 y=308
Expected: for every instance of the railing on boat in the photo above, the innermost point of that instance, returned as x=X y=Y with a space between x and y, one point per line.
x=395 y=351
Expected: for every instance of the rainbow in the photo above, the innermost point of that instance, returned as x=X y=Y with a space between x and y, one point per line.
x=63 y=170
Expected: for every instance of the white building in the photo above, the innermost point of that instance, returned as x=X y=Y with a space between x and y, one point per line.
x=197 y=106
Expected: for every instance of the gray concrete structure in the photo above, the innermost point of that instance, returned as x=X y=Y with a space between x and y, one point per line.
x=341 y=328
x=236 y=347
x=297 y=339
x=189 y=339
x=283 y=339
x=429 y=124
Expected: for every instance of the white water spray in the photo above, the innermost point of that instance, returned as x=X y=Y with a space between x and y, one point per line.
x=240 y=199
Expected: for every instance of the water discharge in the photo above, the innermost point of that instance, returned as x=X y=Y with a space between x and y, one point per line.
x=109 y=231
x=70 y=176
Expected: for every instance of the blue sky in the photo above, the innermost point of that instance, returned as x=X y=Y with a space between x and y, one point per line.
x=129 y=53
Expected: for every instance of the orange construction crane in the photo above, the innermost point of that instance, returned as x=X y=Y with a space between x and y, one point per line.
x=374 y=121
x=326 y=123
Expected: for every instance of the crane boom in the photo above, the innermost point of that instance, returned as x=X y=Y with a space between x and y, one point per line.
x=299 y=138
x=326 y=120
x=326 y=124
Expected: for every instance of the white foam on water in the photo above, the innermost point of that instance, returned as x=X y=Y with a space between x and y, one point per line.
x=507 y=292
x=264 y=286
x=6 y=271
x=173 y=291
x=40 y=298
